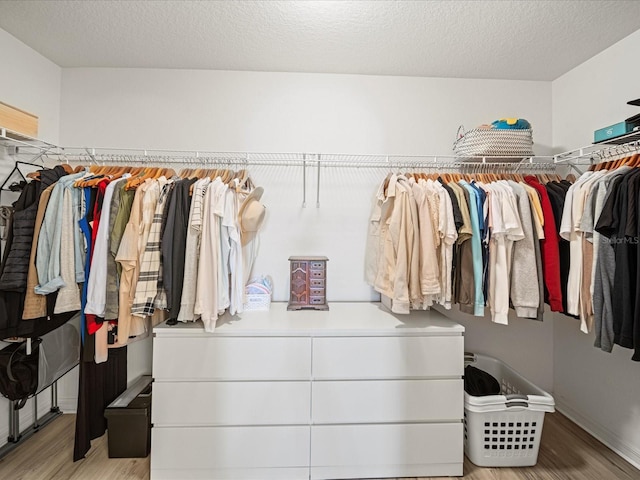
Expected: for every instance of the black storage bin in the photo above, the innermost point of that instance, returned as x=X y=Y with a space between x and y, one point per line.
x=129 y=421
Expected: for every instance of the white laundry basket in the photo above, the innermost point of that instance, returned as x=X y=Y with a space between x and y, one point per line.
x=504 y=430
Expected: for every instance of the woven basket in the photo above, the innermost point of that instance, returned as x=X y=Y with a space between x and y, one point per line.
x=486 y=142
x=256 y=302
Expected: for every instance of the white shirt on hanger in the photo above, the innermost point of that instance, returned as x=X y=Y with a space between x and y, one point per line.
x=569 y=230
x=97 y=287
x=206 y=304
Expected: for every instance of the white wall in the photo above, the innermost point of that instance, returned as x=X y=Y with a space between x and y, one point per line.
x=30 y=82
x=599 y=390
x=280 y=112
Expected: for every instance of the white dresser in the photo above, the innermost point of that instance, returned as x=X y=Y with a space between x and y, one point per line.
x=353 y=392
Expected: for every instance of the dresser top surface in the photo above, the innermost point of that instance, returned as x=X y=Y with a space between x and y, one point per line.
x=342 y=319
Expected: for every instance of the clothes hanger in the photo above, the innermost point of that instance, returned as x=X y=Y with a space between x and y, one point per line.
x=119 y=172
x=136 y=180
x=634 y=160
x=14 y=170
x=94 y=172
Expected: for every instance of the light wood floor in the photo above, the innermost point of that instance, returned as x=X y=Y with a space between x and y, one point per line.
x=567 y=452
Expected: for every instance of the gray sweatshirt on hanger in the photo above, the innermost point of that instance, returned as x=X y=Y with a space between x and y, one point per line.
x=525 y=293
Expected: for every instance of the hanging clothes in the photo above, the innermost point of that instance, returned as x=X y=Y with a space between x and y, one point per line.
x=481 y=244
x=147 y=286
x=192 y=251
x=122 y=250
x=18 y=255
x=128 y=258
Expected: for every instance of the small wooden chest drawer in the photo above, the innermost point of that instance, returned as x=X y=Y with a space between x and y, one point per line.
x=316 y=300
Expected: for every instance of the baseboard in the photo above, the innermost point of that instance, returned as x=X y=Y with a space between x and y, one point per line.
x=629 y=452
x=68 y=404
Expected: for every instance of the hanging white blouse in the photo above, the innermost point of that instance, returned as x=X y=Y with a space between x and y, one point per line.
x=506 y=228
x=569 y=230
x=207 y=288
x=218 y=206
x=236 y=265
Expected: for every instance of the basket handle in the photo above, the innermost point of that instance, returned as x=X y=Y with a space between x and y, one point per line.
x=458 y=135
x=517 y=400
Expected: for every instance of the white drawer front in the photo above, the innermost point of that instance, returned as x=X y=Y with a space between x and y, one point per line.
x=387 y=401
x=297 y=473
x=230 y=403
x=231 y=358
x=384 y=445
x=387 y=357
x=218 y=448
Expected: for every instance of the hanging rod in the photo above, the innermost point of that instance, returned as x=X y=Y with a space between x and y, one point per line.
x=291 y=159
x=128 y=156
x=595 y=153
x=110 y=154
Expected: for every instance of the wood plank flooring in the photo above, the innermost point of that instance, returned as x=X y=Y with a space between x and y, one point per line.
x=567 y=452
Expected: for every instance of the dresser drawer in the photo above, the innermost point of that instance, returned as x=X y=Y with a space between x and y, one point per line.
x=231 y=358
x=230 y=403
x=221 y=448
x=316 y=274
x=387 y=357
x=317 y=283
x=387 y=401
x=379 y=446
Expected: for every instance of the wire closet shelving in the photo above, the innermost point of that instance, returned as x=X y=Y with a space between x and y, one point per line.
x=306 y=161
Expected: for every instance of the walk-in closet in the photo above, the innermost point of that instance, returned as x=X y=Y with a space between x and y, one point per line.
x=321 y=240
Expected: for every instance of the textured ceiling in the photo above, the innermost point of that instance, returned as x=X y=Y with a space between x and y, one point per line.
x=530 y=40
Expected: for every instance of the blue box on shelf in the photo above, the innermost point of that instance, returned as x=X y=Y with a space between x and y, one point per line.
x=612 y=131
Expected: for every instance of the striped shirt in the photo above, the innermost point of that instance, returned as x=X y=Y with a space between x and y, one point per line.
x=147 y=286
